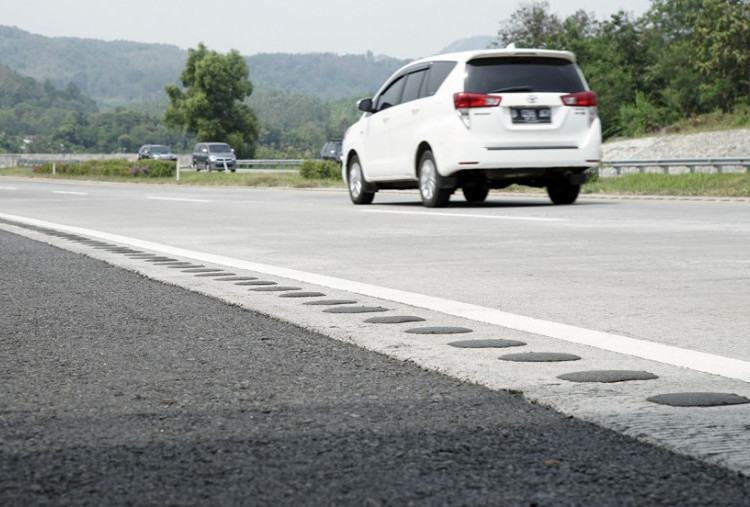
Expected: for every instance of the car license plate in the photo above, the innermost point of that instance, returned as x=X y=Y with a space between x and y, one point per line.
x=531 y=115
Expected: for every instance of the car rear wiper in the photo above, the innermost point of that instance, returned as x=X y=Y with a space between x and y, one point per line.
x=513 y=89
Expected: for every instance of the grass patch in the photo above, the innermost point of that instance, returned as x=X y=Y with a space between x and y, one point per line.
x=267 y=179
x=698 y=184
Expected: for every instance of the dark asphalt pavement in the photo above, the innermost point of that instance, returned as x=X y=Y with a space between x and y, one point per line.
x=115 y=389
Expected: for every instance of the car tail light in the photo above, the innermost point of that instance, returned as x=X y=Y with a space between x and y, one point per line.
x=579 y=99
x=583 y=99
x=465 y=100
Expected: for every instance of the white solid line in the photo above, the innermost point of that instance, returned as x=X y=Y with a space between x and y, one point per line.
x=8 y=188
x=667 y=354
x=179 y=199
x=464 y=215
x=68 y=193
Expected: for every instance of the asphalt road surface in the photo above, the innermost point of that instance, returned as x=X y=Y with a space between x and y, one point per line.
x=118 y=389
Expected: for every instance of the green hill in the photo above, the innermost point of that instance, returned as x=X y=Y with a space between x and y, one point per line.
x=109 y=72
x=122 y=73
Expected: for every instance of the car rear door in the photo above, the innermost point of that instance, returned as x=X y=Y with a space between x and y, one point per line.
x=545 y=102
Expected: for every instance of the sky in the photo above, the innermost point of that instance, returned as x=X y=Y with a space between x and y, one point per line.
x=397 y=28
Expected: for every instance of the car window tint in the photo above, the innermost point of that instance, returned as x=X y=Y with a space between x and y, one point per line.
x=413 y=85
x=521 y=74
x=391 y=96
x=435 y=77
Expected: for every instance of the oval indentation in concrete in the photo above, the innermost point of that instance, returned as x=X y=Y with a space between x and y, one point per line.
x=331 y=302
x=178 y=265
x=257 y=282
x=121 y=250
x=487 y=344
x=539 y=357
x=607 y=376
x=356 y=309
x=303 y=295
x=142 y=256
x=275 y=288
x=439 y=330
x=698 y=399
x=395 y=319
x=236 y=279
x=215 y=274
x=201 y=270
x=161 y=259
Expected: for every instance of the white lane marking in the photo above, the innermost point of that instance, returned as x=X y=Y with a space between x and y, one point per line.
x=8 y=188
x=464 y=215
x=667 y=354
x=68 y=193
x=178 y=199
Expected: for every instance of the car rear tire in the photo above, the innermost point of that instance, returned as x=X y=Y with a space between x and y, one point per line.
x=475 y=193
x=431 y=183
x=357 y=183
x=562 y=192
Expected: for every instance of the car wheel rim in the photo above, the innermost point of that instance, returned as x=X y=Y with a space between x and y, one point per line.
x=355 y=180
x=427 y=183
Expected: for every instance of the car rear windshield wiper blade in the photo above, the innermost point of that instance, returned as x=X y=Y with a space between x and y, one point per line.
x=512 y=89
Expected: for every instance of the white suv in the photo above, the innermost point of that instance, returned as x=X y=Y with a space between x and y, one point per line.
x=476 y=120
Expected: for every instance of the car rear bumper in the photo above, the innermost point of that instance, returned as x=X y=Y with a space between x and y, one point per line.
x=466 y=152
x=219 y=166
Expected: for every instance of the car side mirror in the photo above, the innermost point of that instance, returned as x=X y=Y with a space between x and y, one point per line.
x=365 y=105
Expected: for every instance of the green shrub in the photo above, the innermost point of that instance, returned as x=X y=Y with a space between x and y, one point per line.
x=644 y=116
x=320 y=170
x=118 y=168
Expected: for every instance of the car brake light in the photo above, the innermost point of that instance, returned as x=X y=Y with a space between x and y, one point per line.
x=579 y=99
x=465 y=100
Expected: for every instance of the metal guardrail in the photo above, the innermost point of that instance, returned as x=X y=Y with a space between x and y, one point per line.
x=269 y=163
x=666 y=164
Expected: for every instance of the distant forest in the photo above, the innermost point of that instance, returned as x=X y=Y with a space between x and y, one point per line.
x=96 y=96
x=681 y=62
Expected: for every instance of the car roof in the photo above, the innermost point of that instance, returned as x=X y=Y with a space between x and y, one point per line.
x=467 y=56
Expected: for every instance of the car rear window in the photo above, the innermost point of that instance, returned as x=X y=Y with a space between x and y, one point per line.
x=522 y=74
x=219 y=148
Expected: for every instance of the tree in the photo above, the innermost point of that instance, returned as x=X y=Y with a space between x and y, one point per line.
x=212 y=103
x=614 y=65
x=721 y=37
x=531 y=26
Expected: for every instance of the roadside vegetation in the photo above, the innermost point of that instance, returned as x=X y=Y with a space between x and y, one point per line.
x=693 y=185
x=683 y=66
x=326 y=174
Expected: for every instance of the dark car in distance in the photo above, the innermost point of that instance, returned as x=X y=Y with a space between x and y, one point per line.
x=214 y=157
x=156 y=152
x=331 y=151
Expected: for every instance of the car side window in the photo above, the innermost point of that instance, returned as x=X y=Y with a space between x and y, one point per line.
x=413 y=85
x=391 y=96
x=437 y=74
